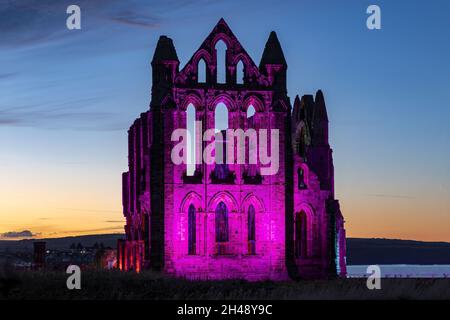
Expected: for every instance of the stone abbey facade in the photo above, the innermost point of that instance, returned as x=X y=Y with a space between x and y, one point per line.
x=229 y=220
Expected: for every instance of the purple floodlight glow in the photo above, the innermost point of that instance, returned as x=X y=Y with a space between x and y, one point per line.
x=230 y=220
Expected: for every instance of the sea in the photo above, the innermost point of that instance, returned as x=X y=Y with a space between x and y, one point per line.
x=401 y=271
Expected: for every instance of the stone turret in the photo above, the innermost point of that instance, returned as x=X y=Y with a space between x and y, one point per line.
x=296 y=110
x=273 y=64
x=164 y=66
x=320 y=121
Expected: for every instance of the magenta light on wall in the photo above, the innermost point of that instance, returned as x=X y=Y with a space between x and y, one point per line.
x=228 y=220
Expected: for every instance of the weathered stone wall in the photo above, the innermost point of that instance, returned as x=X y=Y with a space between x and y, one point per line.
x=157 y=193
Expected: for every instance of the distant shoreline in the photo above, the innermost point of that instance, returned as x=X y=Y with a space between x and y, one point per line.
x=360 y=251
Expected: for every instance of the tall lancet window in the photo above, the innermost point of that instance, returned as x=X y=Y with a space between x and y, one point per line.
x=221 y=172
x=240 y=72
x=201 y=71
x=301 y=233
x=251 y=230
x=190 y=145
x=221 y=217
x=191 y=230
x=221 y=50
x=252 y=167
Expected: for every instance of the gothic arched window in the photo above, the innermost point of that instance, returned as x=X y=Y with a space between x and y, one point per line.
x=221 y=124
x=221 y=217
x=251 y=224
x=252 y=166
x=220 y=117
x=301 y=233
x=201 y=71
x=191 y=230
x=221 y=49
x=240 y=72
x=190 y=145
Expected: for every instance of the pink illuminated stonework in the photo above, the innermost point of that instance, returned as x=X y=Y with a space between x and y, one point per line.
x=229 y=221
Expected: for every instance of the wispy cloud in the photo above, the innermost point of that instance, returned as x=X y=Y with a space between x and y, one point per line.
x=74 y=114
x=136 y=19
x=8 y=75
x=398 y=196
x=18 y=234
x=38 y=22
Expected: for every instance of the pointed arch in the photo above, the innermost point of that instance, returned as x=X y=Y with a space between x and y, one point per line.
x=200 y=54
x=226 y=99
x=222 y=37
x=253 y=100
x=225 y=197
x=246 y=60
x=191 y=198
x=251 y=199
x=309 y=210
x=191 y=98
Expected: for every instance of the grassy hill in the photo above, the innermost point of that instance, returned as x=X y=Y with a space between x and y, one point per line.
x=108 y=240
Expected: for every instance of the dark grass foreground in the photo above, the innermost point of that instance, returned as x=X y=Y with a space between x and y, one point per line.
x=107 y=285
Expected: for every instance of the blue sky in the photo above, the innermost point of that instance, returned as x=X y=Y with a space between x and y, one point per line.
x=67 y=98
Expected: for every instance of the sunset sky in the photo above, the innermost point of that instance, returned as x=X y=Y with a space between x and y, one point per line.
x=67 y=98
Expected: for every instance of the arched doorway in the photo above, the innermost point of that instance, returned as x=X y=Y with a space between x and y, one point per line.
x=301 y=235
